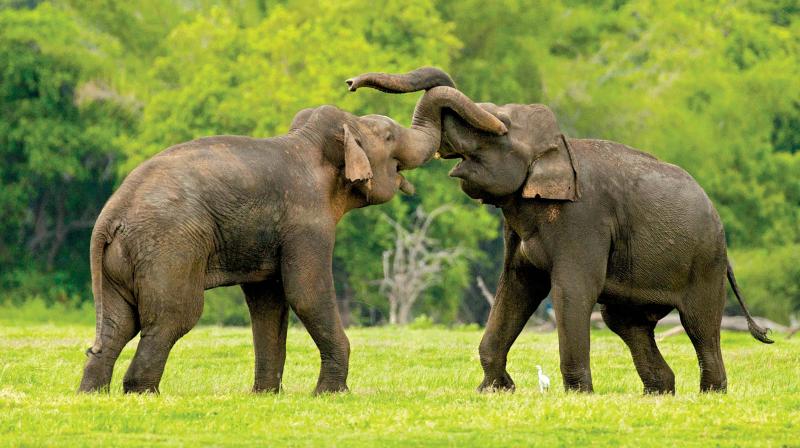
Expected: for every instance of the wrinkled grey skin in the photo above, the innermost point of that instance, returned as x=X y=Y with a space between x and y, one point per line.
x=593 y=221
x=232 y=210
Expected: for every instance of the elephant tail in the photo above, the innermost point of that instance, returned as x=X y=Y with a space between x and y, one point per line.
x=102 y=235
x=757 y=331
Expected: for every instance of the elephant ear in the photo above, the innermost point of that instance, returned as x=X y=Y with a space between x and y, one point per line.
x=552 y=173
x=356 y=163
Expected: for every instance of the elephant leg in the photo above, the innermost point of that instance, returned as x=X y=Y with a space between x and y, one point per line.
x=168 y=310
x=701 y=318
x=269 y=314
x=308 y=284
x=119 y=324
x=517 y=298
x=635 y=327
x=573 y=296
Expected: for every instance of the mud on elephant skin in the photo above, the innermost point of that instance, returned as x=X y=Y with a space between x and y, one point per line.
x=261 y=213
x=588 y=221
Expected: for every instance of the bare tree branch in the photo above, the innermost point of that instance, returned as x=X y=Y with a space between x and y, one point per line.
x=485 y=291
x=414 y=264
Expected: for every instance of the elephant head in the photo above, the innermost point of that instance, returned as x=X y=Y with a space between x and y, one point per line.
x=371 y=150
x=532 y=158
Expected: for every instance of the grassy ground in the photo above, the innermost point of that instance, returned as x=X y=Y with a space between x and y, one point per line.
x=409 y=387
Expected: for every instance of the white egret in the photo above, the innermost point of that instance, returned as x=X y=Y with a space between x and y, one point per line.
x=544 y=381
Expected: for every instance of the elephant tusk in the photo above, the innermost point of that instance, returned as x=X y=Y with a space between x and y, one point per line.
x=405 y=186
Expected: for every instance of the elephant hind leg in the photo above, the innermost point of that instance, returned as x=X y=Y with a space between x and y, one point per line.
x=635 y=327
x=170 y=304
x=269 y=314
x=704 y=332
x=701 y=319
x=120 y=323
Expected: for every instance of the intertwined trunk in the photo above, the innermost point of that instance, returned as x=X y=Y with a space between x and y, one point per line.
x=424 y=136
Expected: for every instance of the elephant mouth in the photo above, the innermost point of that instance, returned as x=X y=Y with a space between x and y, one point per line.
x=450 y=150
x=459 y=169
x=448 y=155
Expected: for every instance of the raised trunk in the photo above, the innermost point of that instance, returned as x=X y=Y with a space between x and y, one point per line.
x=423 y=78
x=424 y=136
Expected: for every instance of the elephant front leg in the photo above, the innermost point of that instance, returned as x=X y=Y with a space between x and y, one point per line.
x=308 y=284
x=517 y=298
x=269 y=314
x=572 y=303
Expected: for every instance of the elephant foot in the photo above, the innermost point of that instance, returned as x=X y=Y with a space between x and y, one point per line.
x=262 y=389
x=503 y=383
x=96 y=374
x=577 y=380
x=715 y=387
x=137 y=387
x=324 y=387
x=659 y=391
x=142 y=390
x=579 y=387
x=661 y=386
x=89 y=387
x=268 y=383
x=91 y=384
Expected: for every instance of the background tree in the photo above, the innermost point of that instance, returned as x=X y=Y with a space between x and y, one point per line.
x=59 y=151
x=91 y=88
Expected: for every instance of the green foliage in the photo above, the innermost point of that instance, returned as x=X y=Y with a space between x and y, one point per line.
x=225 y=307
x=36 y=310
x=408 y=388
x=92 y=88
x=709 y=86
x=422 y=322
x=58 y=146
x=253 y=79
x=499 y=62
x=768 y=279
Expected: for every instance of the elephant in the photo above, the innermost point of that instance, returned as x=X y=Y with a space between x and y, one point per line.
x=260 y=213
x=588 y=222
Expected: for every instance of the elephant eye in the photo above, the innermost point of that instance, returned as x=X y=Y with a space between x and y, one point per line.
x=389 y=137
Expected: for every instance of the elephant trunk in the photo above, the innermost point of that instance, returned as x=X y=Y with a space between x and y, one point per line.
x=420 y=79
x=426 y=126
x=424 y=136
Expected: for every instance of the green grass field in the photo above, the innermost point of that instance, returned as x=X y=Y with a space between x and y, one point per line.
x=409 y=387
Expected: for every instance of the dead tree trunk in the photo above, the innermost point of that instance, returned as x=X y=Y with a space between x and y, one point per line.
x=485 y=291
x=413 y=265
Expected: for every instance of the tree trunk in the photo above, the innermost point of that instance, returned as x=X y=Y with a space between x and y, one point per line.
x=60 y=232
x=405 y=312
x=392 y=311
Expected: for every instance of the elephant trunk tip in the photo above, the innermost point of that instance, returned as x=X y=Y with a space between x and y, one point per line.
x=350 y=85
